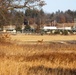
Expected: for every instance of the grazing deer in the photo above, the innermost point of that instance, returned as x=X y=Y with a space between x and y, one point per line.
x=40 y=41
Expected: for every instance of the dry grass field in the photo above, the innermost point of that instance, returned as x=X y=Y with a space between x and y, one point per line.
x=23 y=37
x=53 y=58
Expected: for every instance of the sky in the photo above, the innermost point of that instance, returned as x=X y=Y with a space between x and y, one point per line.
x=62 y=5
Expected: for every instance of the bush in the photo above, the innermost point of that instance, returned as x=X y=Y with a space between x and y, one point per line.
x=55 y=31
x=27 y=27
x=65 y=32
x=18 y=28
x=5 y=37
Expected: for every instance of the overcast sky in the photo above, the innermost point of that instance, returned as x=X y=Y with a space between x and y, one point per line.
x=62 y=5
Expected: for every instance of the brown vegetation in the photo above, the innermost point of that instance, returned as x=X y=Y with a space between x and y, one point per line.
x=25 y=38
x=5 y=37
x=54 y=58
x=35 y=59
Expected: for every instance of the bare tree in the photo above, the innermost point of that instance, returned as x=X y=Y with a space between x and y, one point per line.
x=6 y=6
x=11 y=4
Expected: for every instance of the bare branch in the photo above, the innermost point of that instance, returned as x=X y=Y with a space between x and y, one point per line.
x=27 y=4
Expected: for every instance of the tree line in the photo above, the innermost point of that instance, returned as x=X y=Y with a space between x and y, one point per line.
x=41 y=17
x=12 y=12
x=63 y=17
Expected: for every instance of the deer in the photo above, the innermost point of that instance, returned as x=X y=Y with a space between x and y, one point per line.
x=40 y=41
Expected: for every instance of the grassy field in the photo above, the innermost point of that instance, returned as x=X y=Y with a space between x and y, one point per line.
x=23 y=37
x=54 y=58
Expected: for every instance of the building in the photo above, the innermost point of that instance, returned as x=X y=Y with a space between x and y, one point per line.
x=45 y=28
x=9 y=28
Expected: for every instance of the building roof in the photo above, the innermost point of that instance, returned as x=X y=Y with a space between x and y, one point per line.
x=49 y=27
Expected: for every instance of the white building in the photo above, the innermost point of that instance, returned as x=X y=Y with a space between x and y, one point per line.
x=10 y=29
x=64 y=28
x=49 y=28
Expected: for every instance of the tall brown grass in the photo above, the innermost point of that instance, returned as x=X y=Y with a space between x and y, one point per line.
x=5 y=37
x=37 y=59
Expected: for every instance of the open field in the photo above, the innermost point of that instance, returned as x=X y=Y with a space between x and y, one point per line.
x=54 y=58
x=23 y=37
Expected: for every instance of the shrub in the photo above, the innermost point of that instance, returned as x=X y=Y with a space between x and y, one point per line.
x=18 y=29
x=5 y=37
x=65 y=32
x=55 y=31
x=27 y=27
